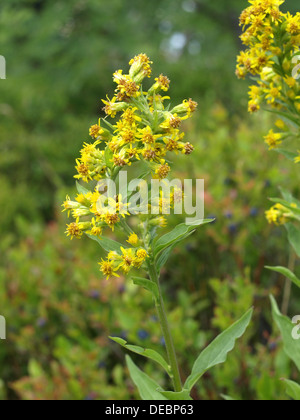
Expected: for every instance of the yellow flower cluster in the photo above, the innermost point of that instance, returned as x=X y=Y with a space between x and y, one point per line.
x=128 y=259
x=272 y=39
x=102 y=213
x=276 y=215
x=279 y=214
x=145 y=131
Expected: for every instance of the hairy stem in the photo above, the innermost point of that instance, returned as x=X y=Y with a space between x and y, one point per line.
x=166 y=330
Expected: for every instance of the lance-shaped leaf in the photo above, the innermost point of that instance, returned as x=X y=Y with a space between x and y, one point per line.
x=294 y=237
x=163 y=257
x=107 y=244
x=148 y=353
x=81 y=189
x=291 y=346
x=287 y=195
x=287 y=273
x=147 y=387
x=286 y=117
x=292 y=389
x=216 y=353
x=180 y=232
x=287 y=204
x=147 y=284
x=108 y=157
x=287 y=153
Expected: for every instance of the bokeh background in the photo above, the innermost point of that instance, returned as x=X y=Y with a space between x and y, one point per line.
x=59 y=310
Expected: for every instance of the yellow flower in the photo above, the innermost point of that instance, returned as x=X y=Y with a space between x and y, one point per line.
x=187 y=106
x=133 y=239
x=173 y=141
x=290 y=81
x=69 y=205
x=150 y=154
x=83 y=172
x=126 y=86
x=140 y=68
x=157 y=102
x=255 y=92
x=293 y=24
x=241 y=72
x=111 y=219
x=162 y=171
x=188 y=149
x=107 y=268
x=161 y=83
x=75 y=230
x=159 y=221
x=276 y=215
x=253 y=106
x=96 y=229
x=146 y=135
x=128 y=258
x=172 y=122
x=96 y=131
x=273 y=93
x=89 y=149
x=280 y=124
x=140 y=258
x=273 y=139
x=112 y=107
x=130 y=117
x=119 y=160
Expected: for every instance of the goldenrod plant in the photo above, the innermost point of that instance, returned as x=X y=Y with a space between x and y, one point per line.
x=141 y=130
x=272 y=57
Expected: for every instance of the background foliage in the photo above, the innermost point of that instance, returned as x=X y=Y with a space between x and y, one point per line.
x=60 y=56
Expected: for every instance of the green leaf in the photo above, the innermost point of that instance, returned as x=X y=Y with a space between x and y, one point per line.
x=292 y=120
x=150 y=354
x=183 y=395
x=164 y=256
x=34 y=369
x=147 y=387
x=180 y=232
x=107 y=244
x=218 y=350
x=289 y=197
x=285 y=325
x=287 y=153
x=294 y=237
x=286 y=204
x=108 y=157
x=147 y=284
x=287 y=273
x=81 y=189
x=292 y=389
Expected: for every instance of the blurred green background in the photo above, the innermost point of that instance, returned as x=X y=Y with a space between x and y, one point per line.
x=60 y=59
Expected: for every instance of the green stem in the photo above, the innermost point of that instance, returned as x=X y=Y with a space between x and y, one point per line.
x=166 y=330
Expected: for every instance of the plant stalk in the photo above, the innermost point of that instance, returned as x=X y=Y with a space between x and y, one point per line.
x=172 y=359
